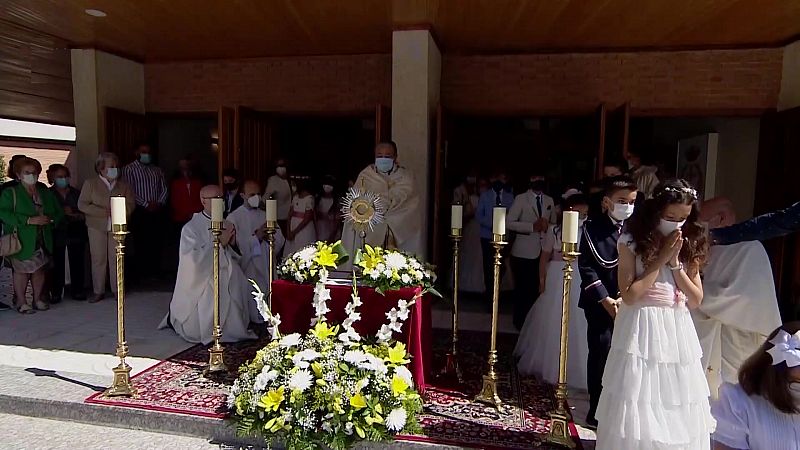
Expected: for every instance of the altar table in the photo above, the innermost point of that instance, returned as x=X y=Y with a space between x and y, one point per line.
x=294 y=304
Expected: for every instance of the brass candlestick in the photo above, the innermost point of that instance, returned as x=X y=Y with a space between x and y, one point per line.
x=451 y=366
x=121 y=386
x=488 y=393
x=560 y=417
x=216 y=359
x=271 y=228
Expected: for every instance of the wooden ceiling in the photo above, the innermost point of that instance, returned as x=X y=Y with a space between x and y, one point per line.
x=159 y=30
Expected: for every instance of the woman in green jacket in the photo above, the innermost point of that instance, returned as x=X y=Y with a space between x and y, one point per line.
x=31 y=210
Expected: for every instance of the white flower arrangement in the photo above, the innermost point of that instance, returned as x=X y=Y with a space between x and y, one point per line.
x=388 y=270
x=308 y=264
x=328 y=387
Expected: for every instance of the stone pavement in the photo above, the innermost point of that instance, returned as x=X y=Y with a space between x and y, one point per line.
x=28 y=433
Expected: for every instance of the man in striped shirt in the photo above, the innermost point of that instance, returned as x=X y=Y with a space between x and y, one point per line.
x=148 y=222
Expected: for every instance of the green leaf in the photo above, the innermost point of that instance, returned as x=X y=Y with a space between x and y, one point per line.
x=360 y=432
x=339 y=249
x=433 y=291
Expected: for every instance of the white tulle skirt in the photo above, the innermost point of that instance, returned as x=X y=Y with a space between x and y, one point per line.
x=655 y=394
x=539 y=342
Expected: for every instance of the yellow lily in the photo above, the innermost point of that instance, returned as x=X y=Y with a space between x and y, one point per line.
x=358 y=401
x=397 y=354
x=322 y=331
x=272 y=400
x=399 y=386
x=326 y=257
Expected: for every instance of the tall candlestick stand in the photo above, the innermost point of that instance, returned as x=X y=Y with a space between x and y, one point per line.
x=488 y=393
x=216 y=359
x=271 y=227
x=560 y=417
x=121 y=386
x=451 y=366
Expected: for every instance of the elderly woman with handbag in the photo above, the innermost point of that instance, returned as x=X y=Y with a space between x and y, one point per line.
x=95 y=203
x=29 y=211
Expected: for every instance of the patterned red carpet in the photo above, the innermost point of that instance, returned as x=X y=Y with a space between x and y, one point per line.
x=451 y=417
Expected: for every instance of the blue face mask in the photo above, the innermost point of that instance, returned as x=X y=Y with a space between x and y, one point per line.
x=145 y=158
x=384 y=165
x=61 y=183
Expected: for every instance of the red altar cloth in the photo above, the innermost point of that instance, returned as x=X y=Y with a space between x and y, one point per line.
x=294 y=303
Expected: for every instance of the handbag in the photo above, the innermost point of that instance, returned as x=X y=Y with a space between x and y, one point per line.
x=9 y=243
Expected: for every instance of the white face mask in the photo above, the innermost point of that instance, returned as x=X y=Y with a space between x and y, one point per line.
x=281 y=171
x=666 y=227
x=112 y=173
x=29 y=179
x=622 y=211
x=327 y=188
x=253 y=201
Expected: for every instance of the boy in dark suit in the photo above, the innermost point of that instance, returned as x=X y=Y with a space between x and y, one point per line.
x=598 y=268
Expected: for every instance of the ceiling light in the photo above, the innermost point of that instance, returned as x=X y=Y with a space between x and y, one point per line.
x=95 y=13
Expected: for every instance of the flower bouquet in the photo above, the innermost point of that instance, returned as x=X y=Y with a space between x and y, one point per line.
x=306 y=265
x=328 y=387
x=389 y=270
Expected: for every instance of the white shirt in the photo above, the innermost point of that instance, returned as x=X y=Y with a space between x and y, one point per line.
x=752 y=423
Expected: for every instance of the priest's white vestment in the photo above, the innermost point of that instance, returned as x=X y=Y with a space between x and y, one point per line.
x=738 y=311
x=191 y=312
x=401 y=227
x=255 y=254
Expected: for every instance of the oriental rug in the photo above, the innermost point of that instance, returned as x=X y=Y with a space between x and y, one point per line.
x=177 y=385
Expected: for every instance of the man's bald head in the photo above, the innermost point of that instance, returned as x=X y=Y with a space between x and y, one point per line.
x=251 y=188
x=207 y=193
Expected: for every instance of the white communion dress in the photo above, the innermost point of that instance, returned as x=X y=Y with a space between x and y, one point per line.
x=655 y=394
x=539 y=343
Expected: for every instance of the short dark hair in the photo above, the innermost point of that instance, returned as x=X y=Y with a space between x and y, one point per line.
x=575 y=200
x=10 y=172
x=140 y=144
x=758 y=376
x=54 y=167
x=19 y=163
x=612 y=185
x=233 y=173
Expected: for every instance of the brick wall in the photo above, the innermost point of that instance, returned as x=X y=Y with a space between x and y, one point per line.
x=348 y=83
x=654 y=82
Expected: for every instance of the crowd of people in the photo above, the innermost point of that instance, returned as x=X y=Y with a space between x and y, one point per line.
x=662 y=351
x=59 y=224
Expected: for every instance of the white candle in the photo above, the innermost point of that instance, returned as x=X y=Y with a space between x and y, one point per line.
x=272 y=210
x=217 y=207
x=499 y=220
x=456 y=219
x=118 y=211
x=569 y=227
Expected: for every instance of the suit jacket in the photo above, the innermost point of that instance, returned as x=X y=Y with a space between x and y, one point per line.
x=763 y=227
x=95 y=201
x=232 y=203
x=520 y=220
x=598 y=261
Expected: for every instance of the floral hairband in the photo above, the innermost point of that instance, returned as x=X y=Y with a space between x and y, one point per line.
x=691 y=192
x=785 y=348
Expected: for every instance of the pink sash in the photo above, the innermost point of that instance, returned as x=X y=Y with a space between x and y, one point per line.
x=663 y=295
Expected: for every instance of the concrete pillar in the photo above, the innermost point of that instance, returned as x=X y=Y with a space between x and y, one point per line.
x=100 y=80
x=790 y=79
x=416 y=75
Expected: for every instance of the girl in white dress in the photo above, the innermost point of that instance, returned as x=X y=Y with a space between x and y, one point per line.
x=539 y=340
x=655 y=394
x=762 y=412
x=301 y=220
x=328 y=222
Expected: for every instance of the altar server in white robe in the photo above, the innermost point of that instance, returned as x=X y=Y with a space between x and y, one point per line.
x=739 y=309
x=251 y=237
x=395 y=186
x=192 y=306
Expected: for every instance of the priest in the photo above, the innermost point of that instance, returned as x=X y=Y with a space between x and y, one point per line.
x=395 y=186
x=250 y=221
x=192 y=307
